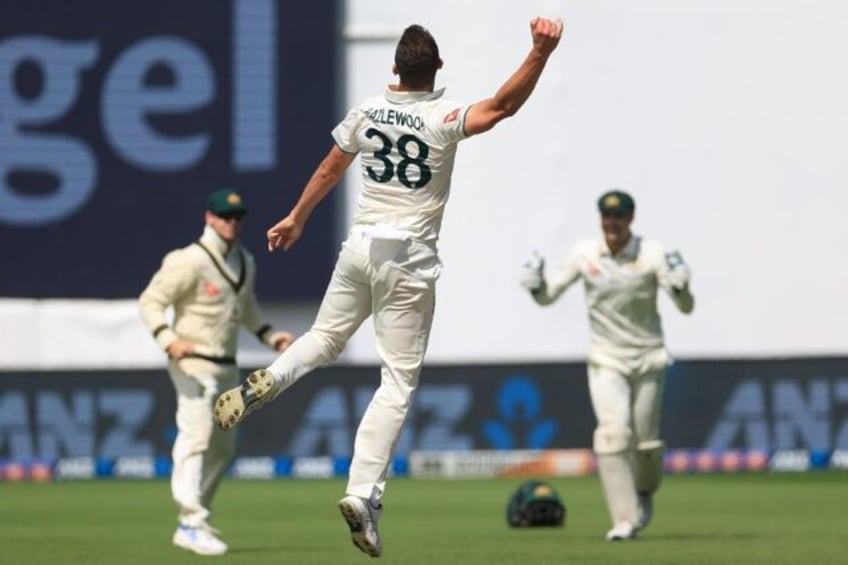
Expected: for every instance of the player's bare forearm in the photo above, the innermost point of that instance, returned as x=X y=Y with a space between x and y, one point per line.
x=327 y=175
x=512 y=95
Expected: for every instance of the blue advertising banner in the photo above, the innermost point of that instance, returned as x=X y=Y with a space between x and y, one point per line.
x=117 y=119
x=762 y=406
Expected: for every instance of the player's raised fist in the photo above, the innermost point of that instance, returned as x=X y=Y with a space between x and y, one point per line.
x=546 y=34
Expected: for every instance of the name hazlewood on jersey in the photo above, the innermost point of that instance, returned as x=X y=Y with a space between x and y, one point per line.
x=394 y=117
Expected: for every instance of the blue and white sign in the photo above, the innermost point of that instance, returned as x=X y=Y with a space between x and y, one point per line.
x=118 y=119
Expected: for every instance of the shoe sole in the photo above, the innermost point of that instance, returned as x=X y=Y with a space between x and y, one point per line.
x=196 y=550
x=622 y=537
x=232 y=407
x=357 y=529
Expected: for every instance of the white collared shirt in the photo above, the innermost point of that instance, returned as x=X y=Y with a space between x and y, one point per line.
x=230 y=253
x=211 y=288
x=408 y=143
x=621 y=297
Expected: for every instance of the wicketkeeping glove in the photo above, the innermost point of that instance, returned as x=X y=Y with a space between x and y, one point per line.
x=678 y=274
x=533 y=273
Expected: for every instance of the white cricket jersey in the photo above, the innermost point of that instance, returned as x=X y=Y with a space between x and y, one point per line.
x=211 y=289
x=621 y=296
x=407 y=142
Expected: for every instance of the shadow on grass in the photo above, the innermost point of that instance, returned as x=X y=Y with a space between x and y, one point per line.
x=279 y=548
x=705 y=536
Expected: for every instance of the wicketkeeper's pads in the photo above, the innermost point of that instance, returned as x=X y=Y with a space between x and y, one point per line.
x=535 y=504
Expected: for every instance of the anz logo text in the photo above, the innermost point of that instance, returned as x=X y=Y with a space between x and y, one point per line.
x=793 y=413
x=434 y=422
x=144 y=85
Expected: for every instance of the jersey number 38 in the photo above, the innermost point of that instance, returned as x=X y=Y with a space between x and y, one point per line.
x=407 y=164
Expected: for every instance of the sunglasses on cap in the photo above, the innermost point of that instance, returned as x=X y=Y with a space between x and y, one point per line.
x=231 y=216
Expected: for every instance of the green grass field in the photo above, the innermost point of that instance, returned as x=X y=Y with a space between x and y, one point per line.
x=755 y=518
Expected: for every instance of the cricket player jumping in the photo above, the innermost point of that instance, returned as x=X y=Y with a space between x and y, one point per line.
x=627 y=357
x=388 y=266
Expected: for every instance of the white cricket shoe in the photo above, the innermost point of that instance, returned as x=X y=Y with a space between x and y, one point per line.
x=362 y=520
x=646 y=509
x=622 y=531
x=201 y=541
x=232 y=406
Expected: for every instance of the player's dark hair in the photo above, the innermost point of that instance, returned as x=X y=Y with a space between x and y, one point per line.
x=417 y=57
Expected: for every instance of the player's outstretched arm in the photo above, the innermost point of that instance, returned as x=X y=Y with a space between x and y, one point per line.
x=484 y=115
x=287 y=231
x=547 y=290
x=674 y=275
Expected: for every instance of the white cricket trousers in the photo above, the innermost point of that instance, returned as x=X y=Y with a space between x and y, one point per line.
x=626 y=441
x=627 y=402
x=202 y=452
x=393 y=280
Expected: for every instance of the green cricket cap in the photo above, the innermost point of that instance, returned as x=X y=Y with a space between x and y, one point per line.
x=616 y=201
x=226 y=202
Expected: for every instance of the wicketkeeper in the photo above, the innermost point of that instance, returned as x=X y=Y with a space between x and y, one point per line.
x=627 y=358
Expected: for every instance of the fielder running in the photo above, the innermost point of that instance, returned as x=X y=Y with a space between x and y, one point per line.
x=627 y=357
x=388 y=266
x=210 y=285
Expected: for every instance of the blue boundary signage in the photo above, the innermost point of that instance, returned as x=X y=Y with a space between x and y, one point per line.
x=789 y=406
